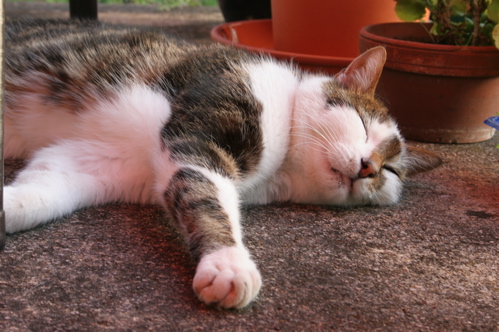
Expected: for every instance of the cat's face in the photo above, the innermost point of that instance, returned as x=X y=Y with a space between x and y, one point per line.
x=346 y=148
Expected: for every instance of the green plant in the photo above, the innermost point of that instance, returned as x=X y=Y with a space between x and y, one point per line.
x=456 y=22
x=167 y=3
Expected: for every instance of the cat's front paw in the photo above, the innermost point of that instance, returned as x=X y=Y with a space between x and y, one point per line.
x=227 y=278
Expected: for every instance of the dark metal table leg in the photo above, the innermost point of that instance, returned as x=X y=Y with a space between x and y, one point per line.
x=3 y=236
x=83 y=9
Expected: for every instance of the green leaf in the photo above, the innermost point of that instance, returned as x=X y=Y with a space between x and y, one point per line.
x=458 y=19
x=435 y=29
x=486 y=30
x=469 y=24
x=493 y=11
x=458 y=7
x=410 y=10
x=495 y=35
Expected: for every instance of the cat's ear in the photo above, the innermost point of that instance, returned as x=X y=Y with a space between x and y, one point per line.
x=363 y=73
x=420 y=160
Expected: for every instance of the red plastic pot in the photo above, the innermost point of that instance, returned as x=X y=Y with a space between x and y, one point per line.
x=256 y=36
x=324 y=27
x=437 y=93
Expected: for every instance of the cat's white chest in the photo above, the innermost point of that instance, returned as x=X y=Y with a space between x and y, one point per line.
x=274 y=86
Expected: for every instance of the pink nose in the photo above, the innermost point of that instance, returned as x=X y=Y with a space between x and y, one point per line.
x=367 y=169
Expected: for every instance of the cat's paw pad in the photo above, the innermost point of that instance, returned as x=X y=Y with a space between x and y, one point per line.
x=227 y=278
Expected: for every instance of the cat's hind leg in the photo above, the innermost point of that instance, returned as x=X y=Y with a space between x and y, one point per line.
x=45 y=197
x=68 y=176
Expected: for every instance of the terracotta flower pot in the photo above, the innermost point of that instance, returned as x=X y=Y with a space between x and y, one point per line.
x=438 y=93
x=321 y=27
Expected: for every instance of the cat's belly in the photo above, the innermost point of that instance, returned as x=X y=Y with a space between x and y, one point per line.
x=30 y=129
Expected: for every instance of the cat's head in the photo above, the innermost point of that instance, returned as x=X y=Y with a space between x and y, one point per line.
x=345 y=147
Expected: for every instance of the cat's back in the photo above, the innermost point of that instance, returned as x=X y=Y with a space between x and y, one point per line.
x=67 y=79
x=86 y=40
x=59 y=72
x=84 y=58
x=74 y=63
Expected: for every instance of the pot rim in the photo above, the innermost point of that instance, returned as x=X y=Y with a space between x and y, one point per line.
x=426 y=58
x=227 y=34
x=369 y=31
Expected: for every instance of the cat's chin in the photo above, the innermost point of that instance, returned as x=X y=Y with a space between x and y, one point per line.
x=346 y=187
x=361 y=195
x=356 y=192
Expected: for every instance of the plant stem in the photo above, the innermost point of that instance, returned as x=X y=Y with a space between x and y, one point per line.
x=442 y=17
x=477 y=12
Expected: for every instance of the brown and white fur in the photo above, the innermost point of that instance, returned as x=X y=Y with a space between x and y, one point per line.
x=108 y=114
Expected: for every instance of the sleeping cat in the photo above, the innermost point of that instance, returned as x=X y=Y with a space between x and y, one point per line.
x=106 y=114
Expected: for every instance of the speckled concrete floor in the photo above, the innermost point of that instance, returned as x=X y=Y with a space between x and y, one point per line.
x=429 y=263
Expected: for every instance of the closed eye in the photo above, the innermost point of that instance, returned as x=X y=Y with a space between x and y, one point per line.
x=365 y=127
x=391 y=170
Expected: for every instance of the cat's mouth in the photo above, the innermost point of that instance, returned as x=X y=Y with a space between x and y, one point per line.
x=343 y=180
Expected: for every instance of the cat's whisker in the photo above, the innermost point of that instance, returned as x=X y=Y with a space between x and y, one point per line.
x=312 y=147
x=308 y=136
x=313 y=142
x=329 y=137
x=311 y=138
x=320 y=134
